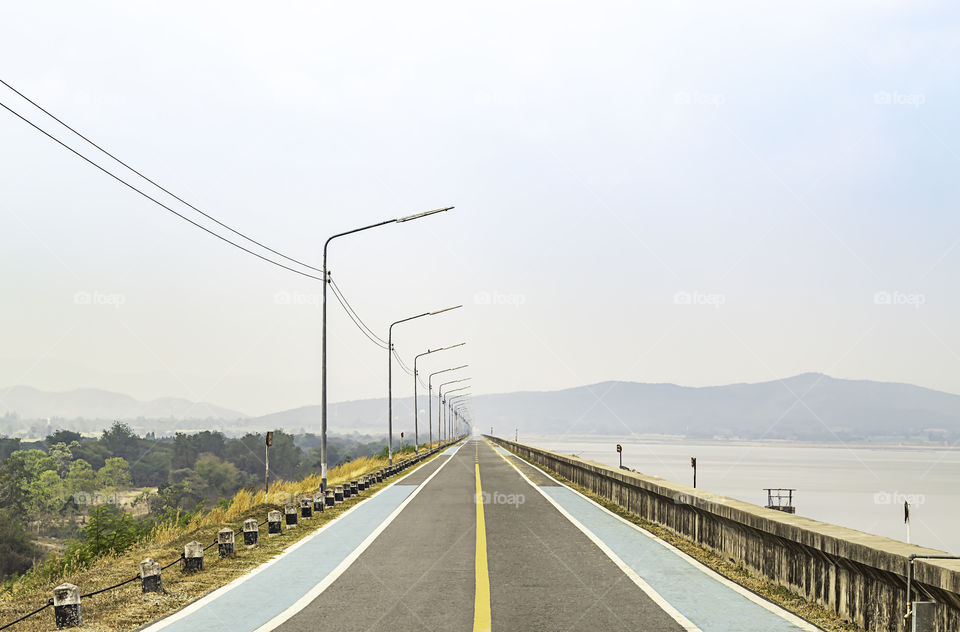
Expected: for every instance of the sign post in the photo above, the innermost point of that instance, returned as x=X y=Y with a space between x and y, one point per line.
x=693 y=464
x=620 y=453
x=266 y=463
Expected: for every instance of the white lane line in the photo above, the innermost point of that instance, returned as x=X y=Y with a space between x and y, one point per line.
x=206 y=599
x=325 y=583
x=791 y=618
x=664 y=605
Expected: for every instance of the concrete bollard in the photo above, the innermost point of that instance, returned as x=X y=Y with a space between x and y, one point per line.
x=193 y=557
x=318 y=502
x=66 y=606
x=379 y=476
x=306 y=508
x=362 y=483
x=329 y=498
x=274 y=518
x=354 y=488
x=338 y=494
x=290 y=511
x=150 y=576
x=225 y=542
x=346 y=491
x=251 y=533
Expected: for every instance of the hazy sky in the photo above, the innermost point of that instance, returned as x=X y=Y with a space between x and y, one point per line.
x=699 y=193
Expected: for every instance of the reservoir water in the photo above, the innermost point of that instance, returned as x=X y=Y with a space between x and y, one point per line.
x=857 y=487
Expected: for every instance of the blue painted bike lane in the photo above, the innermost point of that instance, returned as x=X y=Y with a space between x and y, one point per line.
x=267 y=591
x=707 y=601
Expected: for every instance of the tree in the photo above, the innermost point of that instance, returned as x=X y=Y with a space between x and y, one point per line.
x=62 y=455
x=17 y=551
x=115 y=473
x=63 y=436
x=46 y=496
x=223 y=477
x=120 y=441
x=81 y=478
x=8 y=446
x=14 y=481
x=187 y=448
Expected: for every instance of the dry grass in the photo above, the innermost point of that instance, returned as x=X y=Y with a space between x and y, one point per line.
x=126 y=608
x=786 y=599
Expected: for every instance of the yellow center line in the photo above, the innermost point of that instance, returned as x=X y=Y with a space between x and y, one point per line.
x=481 y=601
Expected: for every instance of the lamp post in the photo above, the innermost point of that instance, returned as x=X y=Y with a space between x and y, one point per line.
x=441 y=401
x=454 y=403
x=430 y=396
x=461 y=415
x=415 y=406
x=447 y=401
x=390 y=374
x=451 y=400
x=323 y=335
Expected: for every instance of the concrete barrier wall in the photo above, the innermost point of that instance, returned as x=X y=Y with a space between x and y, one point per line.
x=859 y=576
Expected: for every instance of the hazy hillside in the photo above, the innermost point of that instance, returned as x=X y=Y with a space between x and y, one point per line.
x=91 y=403
x=829 y=409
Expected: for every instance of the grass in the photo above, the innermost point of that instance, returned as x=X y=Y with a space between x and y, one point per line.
x=783 y=597
x=126 y=608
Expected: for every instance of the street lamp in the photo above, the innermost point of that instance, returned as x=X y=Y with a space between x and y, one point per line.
x=461 y=414
x=430 y=396
x=454 y=403
x=446 y=400
x=416 y=407
x=323 y=335
x=440 y=400
x=390 y=374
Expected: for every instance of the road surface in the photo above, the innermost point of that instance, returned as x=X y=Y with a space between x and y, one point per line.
x=477 y=539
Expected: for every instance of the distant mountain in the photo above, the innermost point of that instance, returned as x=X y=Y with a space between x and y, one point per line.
x=807 y=407
x=90 y=403
x=811 y=406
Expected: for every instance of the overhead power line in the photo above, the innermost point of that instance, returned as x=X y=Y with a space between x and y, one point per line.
x=356 y=317
x=356 y=320
x=151 y=198
x=151 y=181
x=351 y=312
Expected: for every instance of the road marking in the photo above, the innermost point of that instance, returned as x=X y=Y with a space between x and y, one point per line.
x=675 y=614
x=788 y=616
x=325 y=583
x=205 y=600
x=481 y=601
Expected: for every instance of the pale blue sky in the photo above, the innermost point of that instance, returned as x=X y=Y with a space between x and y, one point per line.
x=778 y=165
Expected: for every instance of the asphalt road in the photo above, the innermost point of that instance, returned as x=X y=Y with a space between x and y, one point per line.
x=419 y=574
x=476 y=539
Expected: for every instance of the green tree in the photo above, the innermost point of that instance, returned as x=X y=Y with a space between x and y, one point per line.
x=62 y=455
x=14 y=485
x=115 y=474
x=17 y=551
x=81 y=478
x=223 y=477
